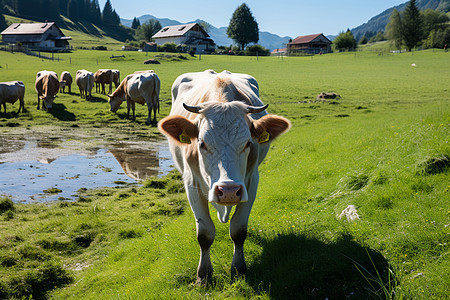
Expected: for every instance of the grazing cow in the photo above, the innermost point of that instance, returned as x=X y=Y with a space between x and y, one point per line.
x=115 y=78
x=47 y=86
x=102 y=77
x=65 y=78
x=10 y=91
x=138 y=88
x=219 y=132
x=85 y=82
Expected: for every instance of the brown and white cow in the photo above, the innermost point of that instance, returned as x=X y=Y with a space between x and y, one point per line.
x=102 y=77
x=85 y=82
x=138 y=88
x=47 y=86
x=219 y=132
x=10 y=92
x=65 y=80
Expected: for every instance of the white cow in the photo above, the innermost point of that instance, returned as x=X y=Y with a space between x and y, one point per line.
x=219 y=132
x=85 y=82
x=138 y=88
x=10 y=92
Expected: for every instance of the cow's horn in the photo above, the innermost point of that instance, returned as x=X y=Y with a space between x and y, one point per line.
x=192 y=109
x=256 y=109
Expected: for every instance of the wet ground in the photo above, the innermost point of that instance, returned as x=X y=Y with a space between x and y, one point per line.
x=52 y=159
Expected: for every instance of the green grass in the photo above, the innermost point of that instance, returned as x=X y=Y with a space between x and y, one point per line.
x=384 y=147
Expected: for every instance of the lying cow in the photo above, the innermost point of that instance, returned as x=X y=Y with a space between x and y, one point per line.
x=47 y=86
x=102 y=77
x=138 y=88
x=10 y=92
x=85 y=82
x=219 y=132
x=65 y=80
x=323 y=96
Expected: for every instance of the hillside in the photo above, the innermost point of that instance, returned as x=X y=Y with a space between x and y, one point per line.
x=219 y=35
x=378 y=23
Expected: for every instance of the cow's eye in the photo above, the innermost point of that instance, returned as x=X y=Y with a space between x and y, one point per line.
x=203 y=146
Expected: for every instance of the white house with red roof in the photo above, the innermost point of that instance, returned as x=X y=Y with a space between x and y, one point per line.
x=192 y=36
x=309 y=44
x=36 y=36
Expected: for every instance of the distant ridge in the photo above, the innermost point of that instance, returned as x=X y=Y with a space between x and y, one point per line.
x=379 y=22
x=219 y=35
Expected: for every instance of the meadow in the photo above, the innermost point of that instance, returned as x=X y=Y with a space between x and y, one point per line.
x=383 y=147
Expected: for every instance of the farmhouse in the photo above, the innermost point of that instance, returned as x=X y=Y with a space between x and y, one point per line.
x=36 y=36
x=278 y=52
x=309 y=44
x=191 y=36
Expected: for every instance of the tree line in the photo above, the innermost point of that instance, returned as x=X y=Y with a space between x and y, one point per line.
x=410 y=28
x=51 y=10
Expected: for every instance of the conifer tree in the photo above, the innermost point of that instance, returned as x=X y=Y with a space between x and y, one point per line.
x=412 y=25
x=135 y=24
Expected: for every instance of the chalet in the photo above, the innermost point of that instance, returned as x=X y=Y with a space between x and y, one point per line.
x=191 y=36
x=309 y=44
x=36 y=36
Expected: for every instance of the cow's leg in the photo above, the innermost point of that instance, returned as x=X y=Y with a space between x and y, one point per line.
x=205 y=232
x=133 y=107
x=110 y=88
x=103 y=89
x=39 y=101
x=21 y=106
x=70 y=89
x=238 y=231
x=128 y=108
x=149 y=117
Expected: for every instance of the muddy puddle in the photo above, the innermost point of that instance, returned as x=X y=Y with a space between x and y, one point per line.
x=51 y=159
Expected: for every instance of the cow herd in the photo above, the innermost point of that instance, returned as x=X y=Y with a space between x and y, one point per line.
x=140 y=87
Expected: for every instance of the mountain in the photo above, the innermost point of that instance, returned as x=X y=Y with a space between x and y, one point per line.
x=219 y=35
x=379 y=22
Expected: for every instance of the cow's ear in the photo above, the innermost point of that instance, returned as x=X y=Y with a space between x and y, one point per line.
x=178 y=128
x=269 y=127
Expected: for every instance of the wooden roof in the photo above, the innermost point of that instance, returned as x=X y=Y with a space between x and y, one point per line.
x=177 y=30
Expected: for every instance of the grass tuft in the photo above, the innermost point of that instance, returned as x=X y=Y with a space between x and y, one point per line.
x=6 y=204
x=433 y=165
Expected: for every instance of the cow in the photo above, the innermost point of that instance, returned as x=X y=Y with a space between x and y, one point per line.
x=144 y=71
x=115 y=78
x=102 y=77
x=10 y=92
x=47 y=86
x=138 y=88
x=218 y=133
x=85 y=82
x=65 y=78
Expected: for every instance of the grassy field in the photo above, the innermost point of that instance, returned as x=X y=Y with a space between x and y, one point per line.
x=383 y=147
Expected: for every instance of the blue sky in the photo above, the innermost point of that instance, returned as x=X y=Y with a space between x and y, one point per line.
x=281 y=17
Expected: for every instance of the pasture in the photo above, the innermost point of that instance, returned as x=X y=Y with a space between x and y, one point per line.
x=383 y=147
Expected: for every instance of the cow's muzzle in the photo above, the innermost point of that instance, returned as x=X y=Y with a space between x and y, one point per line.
x=229 y=193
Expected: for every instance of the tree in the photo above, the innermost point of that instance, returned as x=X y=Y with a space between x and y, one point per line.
x=394 y=29
x=109 y=16
x=205 y=25
x=148 y=29
x=72 y=10
x=433 y=20
x=412 y=25
x=95 y=15
x=345 y=41
x=135 y=24
x=243 y=28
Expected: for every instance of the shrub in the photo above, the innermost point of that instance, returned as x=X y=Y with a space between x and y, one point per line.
x=6 y=204
x=256 y=50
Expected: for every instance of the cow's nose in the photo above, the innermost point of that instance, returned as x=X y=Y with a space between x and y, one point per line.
x=228 y=194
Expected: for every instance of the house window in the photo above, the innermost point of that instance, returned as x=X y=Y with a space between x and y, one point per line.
x=182 y=28
x=165 y=29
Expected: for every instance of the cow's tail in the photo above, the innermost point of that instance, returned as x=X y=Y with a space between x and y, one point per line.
x=155 y=94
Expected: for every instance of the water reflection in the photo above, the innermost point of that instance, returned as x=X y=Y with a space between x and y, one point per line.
x=33 y=163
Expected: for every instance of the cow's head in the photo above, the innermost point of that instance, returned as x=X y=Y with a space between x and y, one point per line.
x=225 y=141
x=115 y=101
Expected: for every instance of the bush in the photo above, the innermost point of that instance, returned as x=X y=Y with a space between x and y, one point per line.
x=6 y=204
x=168 y=47
x=255 y=50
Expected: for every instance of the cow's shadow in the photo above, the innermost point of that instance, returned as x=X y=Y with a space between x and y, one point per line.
x=293 y=267
x=60 y=112
x=97 y=99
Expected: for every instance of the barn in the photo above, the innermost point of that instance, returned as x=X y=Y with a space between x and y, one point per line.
x=309 y=44
x=36 y=36
x=192 y=35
